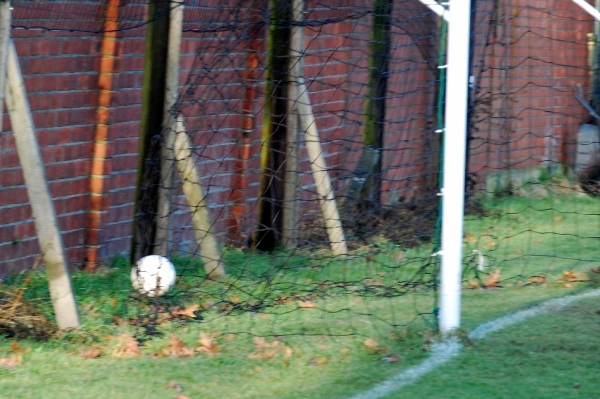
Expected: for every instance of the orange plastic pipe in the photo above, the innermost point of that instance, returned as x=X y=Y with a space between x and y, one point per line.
x=97 y=175
x=240 y=181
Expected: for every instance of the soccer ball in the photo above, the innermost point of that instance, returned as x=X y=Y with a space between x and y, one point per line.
x=153 y=275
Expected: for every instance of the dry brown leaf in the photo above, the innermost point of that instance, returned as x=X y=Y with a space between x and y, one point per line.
x=399 y=257
x=493 y=279
x=390 y=358
x=568 y=285
x=470 y=239
x=92 y=352
x=306 y=304
x=16 y=347
x=537 y=279
x=263 y=355
x=261 y=343
x=187 y=312
x=558 y=218
x=473 y=284
x=491 y=244
x=569 y=275
x=11 y=362
x=181 y=397
x=287 y=352
x=120 y=321
x=317 y=361
x=229 y=337
x=371 y=343
x=175 y=385
x=176 y=348
x=235 y=299
x=127 y=347
x=208 y=344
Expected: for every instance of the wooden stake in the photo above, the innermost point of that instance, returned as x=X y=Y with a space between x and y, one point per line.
x=209 y=247
x=319 y=169
x=40 y=200
x=291 y=211
x=161 y=237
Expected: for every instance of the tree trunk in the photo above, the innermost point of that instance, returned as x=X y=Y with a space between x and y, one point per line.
x=153 y=99
x=271 y=203
x=365 y=187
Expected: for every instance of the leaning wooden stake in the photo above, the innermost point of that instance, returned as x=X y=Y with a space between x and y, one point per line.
x=161 y=236
x=319 y=169
x=209 y=247
x=44 y=216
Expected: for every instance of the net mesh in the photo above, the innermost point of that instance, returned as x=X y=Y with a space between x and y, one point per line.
x=362 y=99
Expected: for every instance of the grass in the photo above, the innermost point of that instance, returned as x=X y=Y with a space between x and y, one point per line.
x=553 y=356
x=384 y=293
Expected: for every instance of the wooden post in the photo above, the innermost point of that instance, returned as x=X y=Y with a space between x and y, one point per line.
x=320 y=174
x=209 y=247
x=369 y=185
x=149 y=154
x=291 y=211
x=5 y=11
x=44 y=216
x=274 y=149
x=161 y=237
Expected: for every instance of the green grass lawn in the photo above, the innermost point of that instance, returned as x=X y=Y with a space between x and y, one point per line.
x=326 y=323
x=551 y=356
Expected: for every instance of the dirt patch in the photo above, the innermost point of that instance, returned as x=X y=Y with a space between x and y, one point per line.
x=407 y=224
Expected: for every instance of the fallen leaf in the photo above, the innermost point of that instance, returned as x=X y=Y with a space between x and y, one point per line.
x=176 y=348
x=306 y=304
x=473 y=284
x=491 y=244
x=120 y=321
x=235 y=299
x=558 y=218
x=208 y=344
x=317 y=361
x=91 y=353
x=569 y=275
x=263 y=355
x=127 y=347
x=568 y=285
x=10 y=363
x=287 y=352
x=261 y=343
x=345 y=351
x=493 y=279
x=15 y=347
x=390 y=358
x=470 y=239
x=181 y=397
x=175 y=385
x=229 y=337
x=187 y=312
x=399 y=257
x=537 y=279
x=371 y=343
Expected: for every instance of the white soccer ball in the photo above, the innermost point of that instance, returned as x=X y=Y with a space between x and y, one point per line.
x=153 y=275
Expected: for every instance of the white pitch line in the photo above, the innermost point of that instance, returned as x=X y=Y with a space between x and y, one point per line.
x=445 y=351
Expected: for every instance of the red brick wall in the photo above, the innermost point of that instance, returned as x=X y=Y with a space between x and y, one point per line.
x=538 y=53
x=61 y=76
